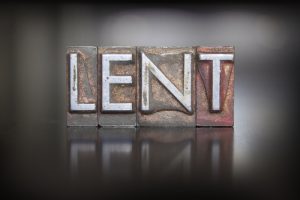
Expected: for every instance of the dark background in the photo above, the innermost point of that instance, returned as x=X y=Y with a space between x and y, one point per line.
x=35 y=142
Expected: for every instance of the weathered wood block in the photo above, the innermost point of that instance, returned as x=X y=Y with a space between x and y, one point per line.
x=82 y=86
x=166 y=88
x=117 y=86
x=215 y=86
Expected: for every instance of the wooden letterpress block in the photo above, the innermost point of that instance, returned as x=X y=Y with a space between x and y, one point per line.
x=166 y=86
x=117 y=94
x=82 y=86
x=215 y=86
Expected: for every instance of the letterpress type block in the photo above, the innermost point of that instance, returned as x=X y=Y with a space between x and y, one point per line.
x=82 y=86
x=117 y=94
x=215 y=86
x=166 y=86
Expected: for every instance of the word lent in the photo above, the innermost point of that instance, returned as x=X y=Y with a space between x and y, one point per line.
x=150 y=86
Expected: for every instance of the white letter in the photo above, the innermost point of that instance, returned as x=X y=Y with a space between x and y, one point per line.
x=75 y=106
x=216 y=73
x=185 y=99
x=107 y=80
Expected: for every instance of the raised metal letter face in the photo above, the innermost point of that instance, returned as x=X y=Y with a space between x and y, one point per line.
x=216 y=72
x=75 y=106
x=166 y=85
x=107 y=80
x=118 y=83
x=82 y=86
x=214 y=86
x=185 y=99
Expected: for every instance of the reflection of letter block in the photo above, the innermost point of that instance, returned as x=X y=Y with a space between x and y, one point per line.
x=166 y=87
x=117 y=74
x=214 y=153
x=215 y=86
x=166 y=152
x=82 y=151
x=117 y=154
x=82 y=86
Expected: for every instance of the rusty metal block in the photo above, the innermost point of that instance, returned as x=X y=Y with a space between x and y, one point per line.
x=215 y=86
x=117 y=86
x=166 y=86
x=82 y=86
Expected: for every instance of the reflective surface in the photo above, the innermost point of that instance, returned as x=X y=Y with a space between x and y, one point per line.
x=53 y=161
x=145 y=154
